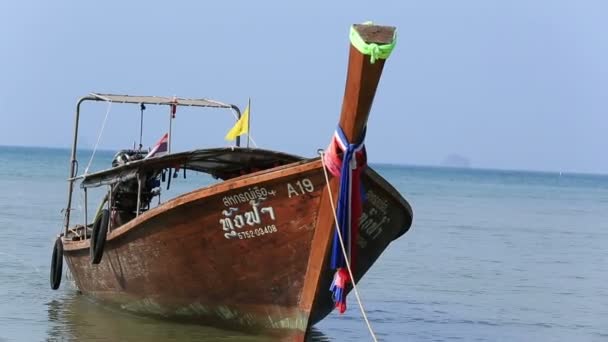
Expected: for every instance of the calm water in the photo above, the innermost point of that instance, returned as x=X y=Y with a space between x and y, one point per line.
x=492 y=256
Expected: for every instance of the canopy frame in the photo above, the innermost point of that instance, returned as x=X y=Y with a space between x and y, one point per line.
x=130 y=99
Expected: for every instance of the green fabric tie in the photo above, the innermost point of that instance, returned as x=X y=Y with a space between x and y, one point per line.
x=373 y=50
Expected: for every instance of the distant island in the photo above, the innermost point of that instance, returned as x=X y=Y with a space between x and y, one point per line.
x=455 y=160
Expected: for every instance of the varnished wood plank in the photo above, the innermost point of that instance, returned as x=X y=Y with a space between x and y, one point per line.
x=376 y=33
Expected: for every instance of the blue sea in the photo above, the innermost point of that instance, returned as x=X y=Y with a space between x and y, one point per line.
x=491 y=256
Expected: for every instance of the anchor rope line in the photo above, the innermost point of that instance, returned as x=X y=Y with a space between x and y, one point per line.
x=103 y=125
x=342 y=245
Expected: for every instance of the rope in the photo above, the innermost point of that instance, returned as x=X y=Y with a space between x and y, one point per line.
x=350 y=272
x=103 y=125
x=373 y=50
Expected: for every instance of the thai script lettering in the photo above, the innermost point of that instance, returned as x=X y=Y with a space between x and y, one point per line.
x=373 y=219
x=231 y=222
x=370 y=224
x=255 y=193
x=380 y=203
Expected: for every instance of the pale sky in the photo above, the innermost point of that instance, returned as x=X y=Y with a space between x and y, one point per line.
x=515 y=84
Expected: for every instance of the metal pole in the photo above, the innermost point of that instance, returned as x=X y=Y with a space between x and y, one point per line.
x=248 y=120
x=172 y=110
x=142 y=107
x=86 y=220
x=73 y=163
x=138 y=194
x=110 y=207
x=110 y=190
x=238 y=117
x=170 y=135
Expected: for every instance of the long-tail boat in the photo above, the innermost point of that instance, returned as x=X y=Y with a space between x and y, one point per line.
x=260 y=249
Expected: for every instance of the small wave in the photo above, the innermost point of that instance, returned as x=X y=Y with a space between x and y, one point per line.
x=22 y=262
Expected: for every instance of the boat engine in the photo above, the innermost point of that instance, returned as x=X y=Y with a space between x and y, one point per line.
x=124 y=196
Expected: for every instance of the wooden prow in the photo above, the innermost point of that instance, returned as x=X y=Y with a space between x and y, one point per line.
x=361 y=82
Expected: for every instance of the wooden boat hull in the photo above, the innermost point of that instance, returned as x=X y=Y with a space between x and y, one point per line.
x=237 y=254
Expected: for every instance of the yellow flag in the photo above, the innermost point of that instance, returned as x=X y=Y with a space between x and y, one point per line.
x=241 y=127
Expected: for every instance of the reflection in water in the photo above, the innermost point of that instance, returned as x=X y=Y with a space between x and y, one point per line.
x=315 y=335
x=74 y=317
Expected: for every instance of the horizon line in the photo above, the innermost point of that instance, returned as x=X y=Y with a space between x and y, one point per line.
x=379 y=163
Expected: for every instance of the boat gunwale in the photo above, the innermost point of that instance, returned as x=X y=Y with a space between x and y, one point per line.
x=234 y=183
x=211 y=190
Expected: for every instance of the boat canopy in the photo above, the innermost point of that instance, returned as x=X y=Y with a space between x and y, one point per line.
x=158 y=100
x=223 y=163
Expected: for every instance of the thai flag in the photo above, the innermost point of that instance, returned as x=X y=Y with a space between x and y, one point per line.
x=160 y=148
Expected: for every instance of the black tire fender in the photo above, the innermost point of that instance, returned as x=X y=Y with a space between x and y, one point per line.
x=57 y=264
x=98 y=236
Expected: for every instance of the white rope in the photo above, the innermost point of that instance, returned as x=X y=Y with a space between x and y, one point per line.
x=253 y=141
x=103 y=125
x=350 y=272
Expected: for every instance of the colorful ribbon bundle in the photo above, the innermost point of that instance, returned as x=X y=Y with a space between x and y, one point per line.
x=350 y=200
